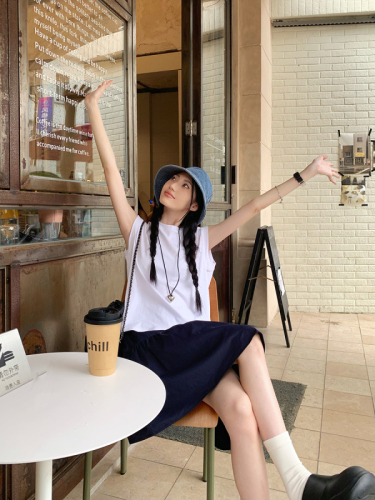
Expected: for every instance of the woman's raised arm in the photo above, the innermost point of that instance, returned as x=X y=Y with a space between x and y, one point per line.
x=124 y=212
x=220 y=231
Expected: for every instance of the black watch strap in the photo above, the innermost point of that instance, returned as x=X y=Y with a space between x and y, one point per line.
x=299 y=178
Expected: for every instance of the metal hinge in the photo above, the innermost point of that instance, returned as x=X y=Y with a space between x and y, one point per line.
x=233 y=315
x=191 y=128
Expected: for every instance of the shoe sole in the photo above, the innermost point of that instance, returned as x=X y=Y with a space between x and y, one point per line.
x=362 y=489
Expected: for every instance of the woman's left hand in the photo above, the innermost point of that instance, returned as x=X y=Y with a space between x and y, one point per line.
x=320 y=166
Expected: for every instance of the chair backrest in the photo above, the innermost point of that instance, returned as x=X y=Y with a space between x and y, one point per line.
x=214 y=305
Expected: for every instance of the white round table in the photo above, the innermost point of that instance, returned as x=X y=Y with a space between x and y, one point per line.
x=66 y=411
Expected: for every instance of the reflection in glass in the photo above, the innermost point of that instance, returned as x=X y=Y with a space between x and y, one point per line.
x=72 y=47
x=29 y=225
x=213 y=94
x=214 y=217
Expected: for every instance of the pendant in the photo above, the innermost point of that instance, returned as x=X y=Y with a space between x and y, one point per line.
x=170 y=298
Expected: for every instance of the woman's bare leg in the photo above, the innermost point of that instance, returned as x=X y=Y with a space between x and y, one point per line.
x=233 y=405
x=255 y=380
x=249 y=466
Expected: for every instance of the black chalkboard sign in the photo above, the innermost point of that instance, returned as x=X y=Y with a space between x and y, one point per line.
x=266 y=235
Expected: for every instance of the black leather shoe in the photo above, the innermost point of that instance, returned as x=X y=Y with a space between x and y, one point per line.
x=354 y=483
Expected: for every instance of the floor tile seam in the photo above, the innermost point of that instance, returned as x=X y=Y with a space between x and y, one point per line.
x=345 y=362
x=353 y=352
x=215 y=475
x=372 y=396
x=156 y=462
x=169 y=465
x=353 y=393
x=341 y=465
x=308 y=371
x=352 y=378
x=356 y=378
x=287 y=358
x=324 y=391
x=340 y=411
x=173 y=485
x=187 y=461
x=350 y=412
x=348 y=437
x=111 y=496
x=308 y=359
x=351 y=437
x=101 y=481
x=344 y=340
x=300 y=335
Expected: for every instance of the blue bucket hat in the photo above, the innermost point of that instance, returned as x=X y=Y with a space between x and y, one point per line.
x=198 y=174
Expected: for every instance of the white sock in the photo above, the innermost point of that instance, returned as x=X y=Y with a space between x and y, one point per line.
x=291 y=470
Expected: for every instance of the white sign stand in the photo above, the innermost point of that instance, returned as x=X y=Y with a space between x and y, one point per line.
x=14 y=367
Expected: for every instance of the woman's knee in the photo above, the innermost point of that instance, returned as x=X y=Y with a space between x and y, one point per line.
x=239 y=416
x=255 y=347
x=257 y=342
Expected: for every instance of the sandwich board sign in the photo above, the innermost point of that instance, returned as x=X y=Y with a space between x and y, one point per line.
x=265 y=235
x=14 y=367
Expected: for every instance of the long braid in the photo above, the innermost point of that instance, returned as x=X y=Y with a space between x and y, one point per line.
x=190 y=252
x=190 y=225
x=154 y=232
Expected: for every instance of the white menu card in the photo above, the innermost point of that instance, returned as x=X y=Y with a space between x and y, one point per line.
x=14 y=367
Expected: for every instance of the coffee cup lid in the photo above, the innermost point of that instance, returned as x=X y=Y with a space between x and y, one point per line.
x=105 y=315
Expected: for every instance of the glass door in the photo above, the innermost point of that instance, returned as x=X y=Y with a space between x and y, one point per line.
x=206 y=90
x=214 y=85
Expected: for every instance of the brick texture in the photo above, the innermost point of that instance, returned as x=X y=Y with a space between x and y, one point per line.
x=323 y=80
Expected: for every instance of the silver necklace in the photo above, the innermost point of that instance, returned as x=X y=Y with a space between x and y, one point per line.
x=171 y=297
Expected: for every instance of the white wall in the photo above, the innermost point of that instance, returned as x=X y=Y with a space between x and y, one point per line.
x=292 y=8
x=323 y=80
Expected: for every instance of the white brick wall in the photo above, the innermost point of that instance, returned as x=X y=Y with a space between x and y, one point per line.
x=323 y=80
x=294 y=8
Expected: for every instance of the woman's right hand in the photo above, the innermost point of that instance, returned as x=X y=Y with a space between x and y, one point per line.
x=94 y=96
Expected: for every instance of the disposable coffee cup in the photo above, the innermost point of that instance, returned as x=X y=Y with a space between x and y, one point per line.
x=103 y=326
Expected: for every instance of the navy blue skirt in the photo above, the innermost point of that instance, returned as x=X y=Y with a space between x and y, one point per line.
x=190 y=359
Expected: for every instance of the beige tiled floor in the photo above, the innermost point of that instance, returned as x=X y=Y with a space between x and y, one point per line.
x=334 y=355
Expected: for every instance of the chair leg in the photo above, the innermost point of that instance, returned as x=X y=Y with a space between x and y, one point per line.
x=124 y=455
x=211 y=463
x=205 y=452
x=87 y=476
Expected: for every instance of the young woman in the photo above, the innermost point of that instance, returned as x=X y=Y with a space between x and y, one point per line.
x=167 y=326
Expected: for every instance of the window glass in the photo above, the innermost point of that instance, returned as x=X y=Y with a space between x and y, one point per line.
x=215 y=217
x=213 y=95
x=20 y=226
x=73 y=45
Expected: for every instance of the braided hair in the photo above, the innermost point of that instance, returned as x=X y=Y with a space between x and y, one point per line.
x=189 y=224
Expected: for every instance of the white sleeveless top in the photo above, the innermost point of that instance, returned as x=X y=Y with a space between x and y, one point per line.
x=149 y=308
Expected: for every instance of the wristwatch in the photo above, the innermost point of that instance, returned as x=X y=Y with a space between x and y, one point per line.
x=299 y=178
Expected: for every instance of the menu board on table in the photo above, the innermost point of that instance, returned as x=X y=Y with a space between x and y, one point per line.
x=14 y=367
x=73 y=45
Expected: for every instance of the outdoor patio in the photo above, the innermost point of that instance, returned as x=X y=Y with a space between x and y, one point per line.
x=334 y=356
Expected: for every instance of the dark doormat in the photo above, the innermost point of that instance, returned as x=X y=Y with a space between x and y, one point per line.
x=289 y=396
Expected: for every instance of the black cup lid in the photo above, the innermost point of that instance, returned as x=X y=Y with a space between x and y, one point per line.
x=105 y=315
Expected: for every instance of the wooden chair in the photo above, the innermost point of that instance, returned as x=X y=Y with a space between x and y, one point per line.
x=202 y=416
